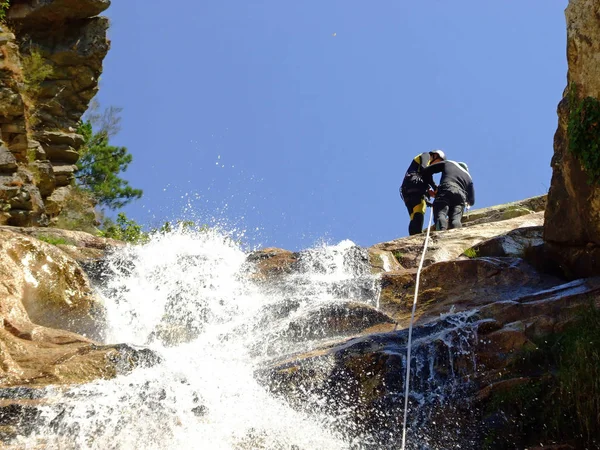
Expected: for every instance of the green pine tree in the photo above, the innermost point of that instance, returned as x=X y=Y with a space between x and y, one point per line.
x=100 y=165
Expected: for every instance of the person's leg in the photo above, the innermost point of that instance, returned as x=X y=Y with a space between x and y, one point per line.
x=440 y=214
x=455 y=215
x=416 y=208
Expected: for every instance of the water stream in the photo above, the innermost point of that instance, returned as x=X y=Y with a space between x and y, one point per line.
x=194 y=300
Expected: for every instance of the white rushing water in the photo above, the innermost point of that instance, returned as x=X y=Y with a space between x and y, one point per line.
x=192 y=298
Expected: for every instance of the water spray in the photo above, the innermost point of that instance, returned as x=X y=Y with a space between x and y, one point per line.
x=192 y=298
x=412 y=318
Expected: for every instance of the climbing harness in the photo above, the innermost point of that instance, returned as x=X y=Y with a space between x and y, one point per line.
x=412 y=318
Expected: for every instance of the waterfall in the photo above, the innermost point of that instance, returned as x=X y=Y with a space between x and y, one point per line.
x=193 y=299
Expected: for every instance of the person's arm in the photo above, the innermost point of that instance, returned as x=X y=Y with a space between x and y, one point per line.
x=471 y=194
x=427 y=173
x=424 y=160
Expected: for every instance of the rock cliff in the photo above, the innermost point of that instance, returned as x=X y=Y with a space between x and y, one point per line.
x=487 y=309
x=51 y=55
x=501 y=300
x=572 y=223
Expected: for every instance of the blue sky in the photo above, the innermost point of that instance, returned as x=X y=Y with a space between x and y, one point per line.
x=296 y=121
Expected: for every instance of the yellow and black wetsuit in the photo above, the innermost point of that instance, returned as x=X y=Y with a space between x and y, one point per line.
x=414 y=191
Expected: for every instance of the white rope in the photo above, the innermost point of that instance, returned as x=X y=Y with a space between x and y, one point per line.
x=412 y=318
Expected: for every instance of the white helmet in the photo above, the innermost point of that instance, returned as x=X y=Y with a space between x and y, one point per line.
x=440 y=153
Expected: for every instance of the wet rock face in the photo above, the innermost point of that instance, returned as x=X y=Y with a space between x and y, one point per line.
x=572 y=222
x=476 y=318
x=459 y=285
x=46 y=287
x=49 y=314
x=270 y=262
x=468 y=344
x=361 y=381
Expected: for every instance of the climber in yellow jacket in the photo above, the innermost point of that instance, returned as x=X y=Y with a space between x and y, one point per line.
x=416 y=188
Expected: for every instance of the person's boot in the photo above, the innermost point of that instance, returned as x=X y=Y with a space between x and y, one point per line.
x=416 y=224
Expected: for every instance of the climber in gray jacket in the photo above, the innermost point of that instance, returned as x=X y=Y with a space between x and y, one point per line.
x=455 y=191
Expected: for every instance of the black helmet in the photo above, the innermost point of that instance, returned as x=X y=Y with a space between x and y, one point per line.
x=440 y=153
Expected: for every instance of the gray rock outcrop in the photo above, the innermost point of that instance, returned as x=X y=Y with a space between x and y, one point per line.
x=51 y=55
x=572 y=224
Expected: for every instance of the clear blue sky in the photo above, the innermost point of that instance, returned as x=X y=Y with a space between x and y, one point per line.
x=296 y=120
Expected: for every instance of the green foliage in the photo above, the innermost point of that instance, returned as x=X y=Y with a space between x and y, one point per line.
x=515 y=211
x=124 y=229
x=184 y=225
x=54 y=240
x=99 y=167
x=578 y=354
x=583 y=130
x=471 y=253
x=398 y=255
x=4 y=5
x=564 y=403
x=128 y=230
x=35 y=71
x=523 y=402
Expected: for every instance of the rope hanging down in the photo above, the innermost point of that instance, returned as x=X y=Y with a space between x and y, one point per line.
x=412 y=318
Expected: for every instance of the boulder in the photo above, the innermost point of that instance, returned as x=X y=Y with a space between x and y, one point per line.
x=383 y=261
x=334 y=319
x=515 y=243
x=73 y=209
x=57 y=200
x=47 y=287
x=505 y=211
x=269 y=262
x=447 y=245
